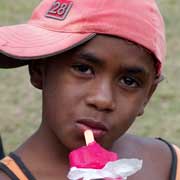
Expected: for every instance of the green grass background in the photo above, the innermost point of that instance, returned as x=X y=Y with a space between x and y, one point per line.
x=20 y=103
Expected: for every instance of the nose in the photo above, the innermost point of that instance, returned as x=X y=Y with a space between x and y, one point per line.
x=101 y=98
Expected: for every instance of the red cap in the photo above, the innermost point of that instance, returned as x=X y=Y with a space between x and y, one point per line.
x=59 y=25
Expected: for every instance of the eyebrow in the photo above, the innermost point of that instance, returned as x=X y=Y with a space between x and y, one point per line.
x=91 y=58
x=136 y=70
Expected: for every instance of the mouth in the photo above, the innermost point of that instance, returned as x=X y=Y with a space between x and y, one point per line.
x=99 y=129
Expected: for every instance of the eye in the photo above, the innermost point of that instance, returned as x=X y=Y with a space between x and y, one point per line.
x=83 y=69
x=129 y=82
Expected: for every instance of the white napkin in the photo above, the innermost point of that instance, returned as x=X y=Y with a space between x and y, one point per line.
x=120 y=168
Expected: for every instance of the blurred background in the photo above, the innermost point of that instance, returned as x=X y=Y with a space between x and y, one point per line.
x=20 y=103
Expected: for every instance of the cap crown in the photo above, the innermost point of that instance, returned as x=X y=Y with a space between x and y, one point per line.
x=136 y=20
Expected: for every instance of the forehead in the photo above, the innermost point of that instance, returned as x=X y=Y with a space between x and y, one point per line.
x=102 y=42
x=111 y=52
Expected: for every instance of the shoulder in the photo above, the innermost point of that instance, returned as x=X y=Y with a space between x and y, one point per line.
x=143 y=146
x=156 y=155
x=3 y=176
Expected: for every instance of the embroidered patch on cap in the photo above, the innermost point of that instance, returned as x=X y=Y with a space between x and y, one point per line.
x=59 y=9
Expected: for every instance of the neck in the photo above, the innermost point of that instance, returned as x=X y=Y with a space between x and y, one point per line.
x=43 y=149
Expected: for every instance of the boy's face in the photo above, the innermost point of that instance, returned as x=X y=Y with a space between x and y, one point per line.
x=102 y=85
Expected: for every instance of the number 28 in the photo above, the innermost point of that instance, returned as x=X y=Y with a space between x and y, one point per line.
x=58 y=8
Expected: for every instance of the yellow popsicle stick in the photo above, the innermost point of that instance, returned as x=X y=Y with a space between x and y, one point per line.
x=89 y=137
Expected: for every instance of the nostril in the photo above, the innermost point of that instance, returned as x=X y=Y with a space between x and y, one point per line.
x=101 y=104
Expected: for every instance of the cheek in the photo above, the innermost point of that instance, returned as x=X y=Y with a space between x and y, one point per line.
x=126 y=113
x=60 y=107
x=129 y=104
x=60 y=101
x=63 y=99
x=64 y=91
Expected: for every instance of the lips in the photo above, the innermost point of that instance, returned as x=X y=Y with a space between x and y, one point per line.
x=99 y=128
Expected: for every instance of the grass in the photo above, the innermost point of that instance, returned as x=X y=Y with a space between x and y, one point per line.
x=20 y=107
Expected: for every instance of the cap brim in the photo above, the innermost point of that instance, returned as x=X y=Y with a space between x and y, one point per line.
x=26 y=42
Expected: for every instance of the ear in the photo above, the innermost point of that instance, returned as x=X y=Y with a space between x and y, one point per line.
x=151 y=91
x=36 y=73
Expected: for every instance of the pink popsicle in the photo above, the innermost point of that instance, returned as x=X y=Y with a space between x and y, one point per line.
x=91 y=156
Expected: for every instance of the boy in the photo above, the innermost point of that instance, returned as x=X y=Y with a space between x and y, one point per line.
x=97 y=64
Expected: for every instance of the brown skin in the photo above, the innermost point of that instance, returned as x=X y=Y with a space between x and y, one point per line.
x=107 y=80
